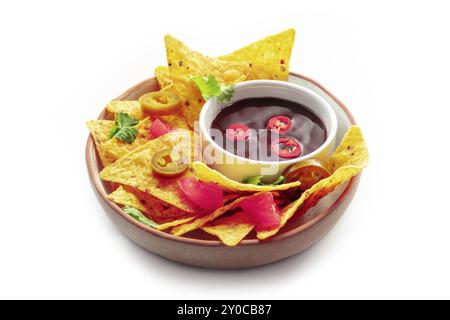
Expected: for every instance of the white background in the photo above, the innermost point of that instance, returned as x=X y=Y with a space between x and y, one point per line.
x=62 y=61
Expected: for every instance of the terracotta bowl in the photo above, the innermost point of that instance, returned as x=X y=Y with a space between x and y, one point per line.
x=200 y=249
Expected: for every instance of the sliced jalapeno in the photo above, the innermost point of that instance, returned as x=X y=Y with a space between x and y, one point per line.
x=160 y=103
x=163 y=164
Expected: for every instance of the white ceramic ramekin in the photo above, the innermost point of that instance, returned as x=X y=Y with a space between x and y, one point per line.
x=239 y=168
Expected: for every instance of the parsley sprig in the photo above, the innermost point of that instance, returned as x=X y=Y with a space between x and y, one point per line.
x=210 y=87
x=124 y=128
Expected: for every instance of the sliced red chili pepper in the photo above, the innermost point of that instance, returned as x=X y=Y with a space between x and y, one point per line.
x=280 y=124
x=287 y=147
x=237 y=132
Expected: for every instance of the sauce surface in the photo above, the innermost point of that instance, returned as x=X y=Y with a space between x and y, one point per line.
x=255 y=113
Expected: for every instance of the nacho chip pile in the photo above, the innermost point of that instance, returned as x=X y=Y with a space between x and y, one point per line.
x=128 y=166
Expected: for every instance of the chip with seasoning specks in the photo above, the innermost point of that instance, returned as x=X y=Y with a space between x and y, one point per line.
x=135 y=169
x=185 y=63
x=268 y=58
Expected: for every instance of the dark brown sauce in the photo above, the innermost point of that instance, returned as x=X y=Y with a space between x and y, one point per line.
x=255 y=113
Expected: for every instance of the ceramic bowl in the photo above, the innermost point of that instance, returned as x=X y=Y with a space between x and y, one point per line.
x=200 y=249
x=238 y=168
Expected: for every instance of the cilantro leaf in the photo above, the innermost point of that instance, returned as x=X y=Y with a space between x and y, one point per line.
x=253 y=180
x=124 y=128
x=209 y=87
x=227 y=92
x=136 y=214
x=257 y=181
x=280 y=180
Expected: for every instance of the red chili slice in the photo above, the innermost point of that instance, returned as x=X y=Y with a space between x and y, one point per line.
x=280 y=124
x=237 y=132
x=287 y=147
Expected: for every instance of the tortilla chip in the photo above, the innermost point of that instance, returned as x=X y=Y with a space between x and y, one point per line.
x=135 y=169
x=268 y=57
x=206 y=174
x=152 y=207
x=116 y=149
x=357 y=157
x=185 y=63
x=175 y=121
x=351 y=151
x=128 y=198
x=174 y=223
x=163 y=77
x=132 y=108
x=230 y=230
x=125 y=198
x=203 y=220
x=100 y=130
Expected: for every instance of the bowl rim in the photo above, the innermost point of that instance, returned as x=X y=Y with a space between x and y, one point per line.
x=101 y=192
x=331 y=134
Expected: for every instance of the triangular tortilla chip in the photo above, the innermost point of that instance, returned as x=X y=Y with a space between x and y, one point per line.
x=269 y=57
x=349 y=159
x=185 y=63
x=100 y=130
x=352 y=151
x=152 y=207
x=135 y=168
x=132 y=108
x=111 y=149
x=206 y=174
x=125 y=198
x=230 y=230
x=116 y=149
x=174 y=223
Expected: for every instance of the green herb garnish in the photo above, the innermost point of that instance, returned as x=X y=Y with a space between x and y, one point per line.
x=136 y=214
x=124 y=128
x=253 y=180
x=257 y=181
x=209 y=87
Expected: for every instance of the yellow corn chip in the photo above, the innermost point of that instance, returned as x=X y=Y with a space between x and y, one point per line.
x=162 y=75
x=185 y=63
x=230 y=230
x=174 y=223
x=135 y=168
x=268 y=58
x=206 y=174
x=351 y=151
x=115 y=148
x=100 y=130
x=146 y=203
x=357 y=160
x=132 y=108
x=201 y=221
x=175 y=121
x=123 y=197
x=129 y=198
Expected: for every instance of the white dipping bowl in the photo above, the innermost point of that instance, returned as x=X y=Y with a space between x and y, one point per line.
x=238 y=168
